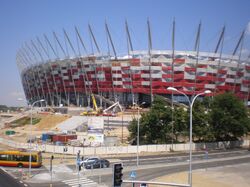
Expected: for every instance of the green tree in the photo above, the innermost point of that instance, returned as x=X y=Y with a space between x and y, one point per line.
x=155 y=126
x=229 y=119
x=181 y=122
x=201 y=128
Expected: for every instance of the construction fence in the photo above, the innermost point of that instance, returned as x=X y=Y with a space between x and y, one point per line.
x=129 y=149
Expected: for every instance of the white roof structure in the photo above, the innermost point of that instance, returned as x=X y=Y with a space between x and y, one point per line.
x=72 y=123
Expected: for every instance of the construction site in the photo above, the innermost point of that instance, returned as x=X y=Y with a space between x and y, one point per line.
x=74 y=126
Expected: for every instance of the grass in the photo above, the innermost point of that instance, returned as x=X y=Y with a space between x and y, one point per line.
x=26 y=120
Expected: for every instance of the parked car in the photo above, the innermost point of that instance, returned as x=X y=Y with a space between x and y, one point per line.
x=100 y=163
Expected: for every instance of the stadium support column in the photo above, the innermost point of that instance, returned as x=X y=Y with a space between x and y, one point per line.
x=221 y=41
x=241 y=41
x=110 y=39
x=130 y=48
x=51 y=70
x=59 y=98
x=21 y=66
x=71 y=72
x=93 y=37
x=37 y=68
x=24 y=76
x=45 y=74
x=150 y=64
x=80 y=59
x=37 y=97
x=197 y=48
x=63 y=82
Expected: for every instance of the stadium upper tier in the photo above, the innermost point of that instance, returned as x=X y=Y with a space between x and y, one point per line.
x=135 y=77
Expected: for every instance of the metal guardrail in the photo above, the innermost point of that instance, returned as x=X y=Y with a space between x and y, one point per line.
x=158 y=183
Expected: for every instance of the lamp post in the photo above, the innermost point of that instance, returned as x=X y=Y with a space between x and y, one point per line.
x=138 y=133
x=191 y=102
x=33 y=104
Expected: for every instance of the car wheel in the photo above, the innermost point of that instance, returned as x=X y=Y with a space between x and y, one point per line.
x=20 y=165
x=105 y=166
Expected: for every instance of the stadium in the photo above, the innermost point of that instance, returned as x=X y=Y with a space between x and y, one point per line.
x=132 y=78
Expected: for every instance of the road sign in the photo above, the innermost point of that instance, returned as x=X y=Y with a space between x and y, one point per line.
x=133 y=174
x=78 y=162
x=206 y=155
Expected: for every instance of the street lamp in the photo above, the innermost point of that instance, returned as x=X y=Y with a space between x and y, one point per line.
x=33 y=104
x=138 y=132
x=191 y=102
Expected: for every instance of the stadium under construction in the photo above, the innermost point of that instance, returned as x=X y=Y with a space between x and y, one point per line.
x=132 y=78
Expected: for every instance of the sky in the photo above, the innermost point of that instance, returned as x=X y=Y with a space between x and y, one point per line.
x=23 y=20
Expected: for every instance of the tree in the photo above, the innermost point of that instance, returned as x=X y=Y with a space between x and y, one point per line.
x=229 y=119
x=155 y=125
x=181 y=122
x=201 y=128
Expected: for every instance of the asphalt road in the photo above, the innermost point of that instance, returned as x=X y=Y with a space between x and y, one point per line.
x=7 y=180
x=152 y=173
x=158 y=165
x=149 y=174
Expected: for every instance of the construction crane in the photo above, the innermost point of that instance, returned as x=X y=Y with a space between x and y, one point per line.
x=95 y=111
x=114 y=106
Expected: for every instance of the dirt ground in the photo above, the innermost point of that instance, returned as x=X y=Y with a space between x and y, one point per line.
x=49 y=122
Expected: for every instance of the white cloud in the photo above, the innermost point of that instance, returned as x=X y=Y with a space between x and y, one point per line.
x=248 y=28
x=17 y=94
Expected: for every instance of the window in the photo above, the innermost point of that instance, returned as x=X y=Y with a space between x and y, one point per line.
x=3 y=157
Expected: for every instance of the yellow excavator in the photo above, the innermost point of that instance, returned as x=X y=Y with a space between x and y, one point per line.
x=95 y=111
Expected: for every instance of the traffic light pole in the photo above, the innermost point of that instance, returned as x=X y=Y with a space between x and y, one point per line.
x=117 y=174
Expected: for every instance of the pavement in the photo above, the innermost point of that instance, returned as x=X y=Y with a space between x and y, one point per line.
x=226 y=176
x=64 y=171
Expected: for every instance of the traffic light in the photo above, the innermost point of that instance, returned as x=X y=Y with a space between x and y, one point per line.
x=117 y=175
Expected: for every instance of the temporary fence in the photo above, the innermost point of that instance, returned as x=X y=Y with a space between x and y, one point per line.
x=129 y=149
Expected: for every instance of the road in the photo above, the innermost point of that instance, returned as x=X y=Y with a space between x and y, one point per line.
x=173 y=164
x=152 y=173
x=150 y=166
x=7 y=180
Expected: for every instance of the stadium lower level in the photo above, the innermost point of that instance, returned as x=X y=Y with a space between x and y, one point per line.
x=135 y=78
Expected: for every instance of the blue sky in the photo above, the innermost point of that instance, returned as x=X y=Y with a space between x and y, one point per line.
x=23 y=20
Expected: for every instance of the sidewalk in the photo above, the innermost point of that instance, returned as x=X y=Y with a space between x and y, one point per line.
x=227 y=176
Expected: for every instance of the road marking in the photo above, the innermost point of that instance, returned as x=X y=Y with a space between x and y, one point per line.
x=21 y=182
x=83 y=181
x=25 y=185
x=4 y=169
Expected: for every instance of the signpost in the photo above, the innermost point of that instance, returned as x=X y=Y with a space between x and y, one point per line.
x=78 y=165
x=51 y=158
x=132 y=175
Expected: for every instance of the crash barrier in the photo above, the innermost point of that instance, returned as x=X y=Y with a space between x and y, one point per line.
x=130 y=149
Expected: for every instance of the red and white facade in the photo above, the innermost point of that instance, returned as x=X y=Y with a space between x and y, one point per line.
x=135 y=78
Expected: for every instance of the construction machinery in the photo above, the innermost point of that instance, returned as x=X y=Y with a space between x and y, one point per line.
x=95 y=111
x=107 y=112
